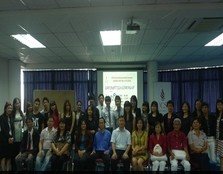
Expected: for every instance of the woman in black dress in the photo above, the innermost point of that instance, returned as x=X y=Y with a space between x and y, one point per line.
x=6 y=137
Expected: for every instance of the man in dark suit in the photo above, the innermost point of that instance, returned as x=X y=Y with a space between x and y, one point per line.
x=28 y=148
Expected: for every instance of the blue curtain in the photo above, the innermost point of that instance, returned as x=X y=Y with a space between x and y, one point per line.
x=189 y=85
x=81 y=81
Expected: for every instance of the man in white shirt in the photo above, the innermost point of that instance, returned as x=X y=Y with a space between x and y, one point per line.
x=100 y=105
x=44 y=154
x=108 y=114
x=121 y=143
x=118 y=111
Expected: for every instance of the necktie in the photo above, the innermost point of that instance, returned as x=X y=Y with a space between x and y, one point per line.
x=101 y=110
x=109 y=116
x=29 y=142
x=118 y=112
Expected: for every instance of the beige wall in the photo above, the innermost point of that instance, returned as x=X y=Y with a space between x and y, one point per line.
x=57 y=95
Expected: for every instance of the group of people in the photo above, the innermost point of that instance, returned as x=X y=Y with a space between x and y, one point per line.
x=44 y=140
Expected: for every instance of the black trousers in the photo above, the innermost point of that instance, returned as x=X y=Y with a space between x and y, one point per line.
x=101 y=155
x=126 y=162
x=202 y=159
x=57 y=162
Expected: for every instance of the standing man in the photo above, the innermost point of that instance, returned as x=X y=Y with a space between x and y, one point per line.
x=28 y=148
x=101 y=145
x=108 y=115
x=118 y=111
x=100 y=103
x=46 y=110
x=121 y=143
x=44 y=154
x=37 y=117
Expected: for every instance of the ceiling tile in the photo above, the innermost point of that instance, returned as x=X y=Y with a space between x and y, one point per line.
x=49 y=40
x=78 y=50
x=112 y=50
x=132 y=39
x=74 y=3
x=187 y=51
x=204 y=51
x=90 y=38
x=147 y=49
x=68 y=39
x=11 y=4
x=61 y=51
x=98 y=58
x=172 y=1
x=142 y=2
x=34 y=27
x=129 y=49
x=59 y=26
x=95 y=50
x=153 y=36
x=143 y=58
x=106 y=3
x=170 y=51
x=44 y=52
x=40 y=4
x=203 y=38
x=182 y=39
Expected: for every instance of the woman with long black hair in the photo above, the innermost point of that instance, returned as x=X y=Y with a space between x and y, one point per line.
x=18 y=119
x=60 y=147
x=7 y=133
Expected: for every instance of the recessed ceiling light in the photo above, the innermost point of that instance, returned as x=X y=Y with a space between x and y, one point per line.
x=110 y=38
x=28 y=40
x=218 y=41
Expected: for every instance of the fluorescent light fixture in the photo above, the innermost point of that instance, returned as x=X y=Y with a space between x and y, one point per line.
x=218 y=41
x=28 y=40
x=111 y=37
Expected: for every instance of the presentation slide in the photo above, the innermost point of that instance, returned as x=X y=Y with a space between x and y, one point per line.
x=122 y=83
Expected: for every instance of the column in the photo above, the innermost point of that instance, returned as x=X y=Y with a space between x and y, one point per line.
x=14 y=79
x=152 y=76
x=4 y=86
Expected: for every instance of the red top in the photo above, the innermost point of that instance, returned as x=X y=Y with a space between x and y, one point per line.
x=56 y=120
x=176 y=140
x=161 y=141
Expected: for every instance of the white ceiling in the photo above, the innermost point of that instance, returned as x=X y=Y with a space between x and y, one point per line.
x=172 y=32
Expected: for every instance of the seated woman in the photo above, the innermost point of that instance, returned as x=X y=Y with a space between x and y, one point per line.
x=60 y=147
x=198 y=145
x=139 y=145
x=158 y=147
x=83 y=147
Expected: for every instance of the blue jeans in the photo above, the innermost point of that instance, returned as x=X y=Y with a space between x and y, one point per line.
x=42 y=161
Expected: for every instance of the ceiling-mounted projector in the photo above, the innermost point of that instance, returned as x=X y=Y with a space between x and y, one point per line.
x=132 y=28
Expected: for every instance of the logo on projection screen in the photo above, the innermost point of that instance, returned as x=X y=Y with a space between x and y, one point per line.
x=162 y=98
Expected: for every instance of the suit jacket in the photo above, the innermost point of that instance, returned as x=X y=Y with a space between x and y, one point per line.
x=35 y=138
x=88 y=142
x=4 y=133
